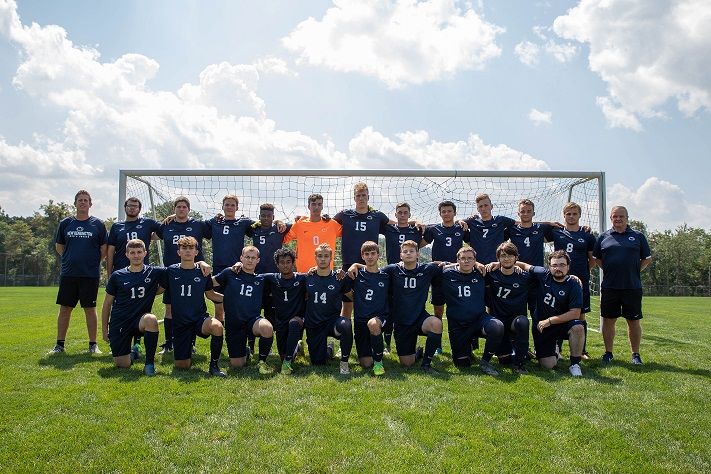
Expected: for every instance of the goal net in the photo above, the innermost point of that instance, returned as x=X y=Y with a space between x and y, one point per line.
x=288 y=190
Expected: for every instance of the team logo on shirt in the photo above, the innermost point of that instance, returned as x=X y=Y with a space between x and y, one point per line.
x=256 y=283
x=534 y=232
x=631 y=239
x=196 y=279
x=474 y=280
x=561 y=292
x=139 y=226
x=457 y=234
x=494 y=225
x=582 y=241
x=381 y=284
x=331 y=287
x=296 y=283
x=420 y=274
x=515 y=285
x=370 y=217
x=189 y=229
x=147 y=280
x=79 y=229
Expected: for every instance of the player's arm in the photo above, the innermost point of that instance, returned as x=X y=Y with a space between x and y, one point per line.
x=571 y=314
x=110 y=251
x=591 y=260
x=524 y=266
x=105 y=316
x=214 y=296
x=103 y=252
x=644 y=263
x=59 y=248
x=354 y=269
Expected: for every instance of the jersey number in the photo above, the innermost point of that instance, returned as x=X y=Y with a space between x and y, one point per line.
x=315 y=240
x=262 y=240
x=464 y=291
x=549 y=300
x=369 y=295
x=320 y=297
x=410 y=282
x=245 y=290
x=527 y=241
x=183 y=292
x=448 y=242
x=360 y=225
x=503 y=293
x=131 y=235
x=401 y=238
x=569 y=247
x=486 y=231
x=138 y=294
x=226 y=230
x=176 y=238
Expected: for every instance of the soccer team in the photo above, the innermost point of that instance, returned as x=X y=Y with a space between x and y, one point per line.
x=487 y=274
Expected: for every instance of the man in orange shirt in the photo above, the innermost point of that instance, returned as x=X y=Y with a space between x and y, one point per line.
x=311 y=232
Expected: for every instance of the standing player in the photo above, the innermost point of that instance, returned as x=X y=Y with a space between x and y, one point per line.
x=370 y=300
x=557 y=315
x=323 y=308
x=529 y=236
x=622 y=253
x=464 y=289
x=188 y=287
x=243 y=301
x=311 y=232
x=487 y=232
x=81 y=242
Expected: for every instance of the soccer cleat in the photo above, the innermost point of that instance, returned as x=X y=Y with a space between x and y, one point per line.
x=520 y=369
x=428 y=369
x=57 y=349
x=386 y=350
x=636 y=358
x=264 y=369
x=487 y=368
x=167 y=348
x=136 y=351
x=419 y=354
x=216 y=372
x=607 y=358
x=344 y=368
x=149 y=370
x=330 y=349
x=438 y=351
x=575 y=370
x=286 y=368
x=585 y=356
x=378 y=369
x=94 y=349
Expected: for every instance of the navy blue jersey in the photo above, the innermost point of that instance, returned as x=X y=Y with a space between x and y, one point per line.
x=409 y=289
x=485 y=236
x=171 y=233
x=576 y=244
x=370 y=295
x=268 y=241
x=121 y=232
x=186 y=288
x=82 y=242
x=394 y=236
x=465 y=294
x=621 y=255
x=227 y=240
x=446 y=241
x=288 y=295
x=529 y=242
x=323 y=298
x=555 y=298
x=243 y=294
x=507 y=295
x=133 y=292
x=358 y=228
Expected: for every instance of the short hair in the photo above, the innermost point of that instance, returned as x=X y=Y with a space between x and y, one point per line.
x=284 y=252
x=267 y=207
x=132 y=199
x=79 y=193
x=314 y=197
x=180 y=199
x=187 y=241
x=572 y=205
x=409 y=243
x=249 y=248
x=369 y=246
x=402 y=204
x=230 y=196
x=527 y=202
x=619 y=207
x=508 y=248
x=135 y=244
x=446 y=204
x=360 y=187
x=324 y=248
x=559 y=254
x=481 y=197
x=466 y=249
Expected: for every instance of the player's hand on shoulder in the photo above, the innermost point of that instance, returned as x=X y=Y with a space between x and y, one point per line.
x=237 y=267
x=325 y=217
x=558 y=225
x=311 y=270
x=281 y=227
x=491 y=267
x=586 y=229
x=576 y=279
x=340 y=274
x=481 y=267
x=169 y=219
x=204 y=268
x=353 y=271
x=464 y=225
x=219 y=217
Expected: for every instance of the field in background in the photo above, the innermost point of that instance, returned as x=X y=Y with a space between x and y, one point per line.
x=75 y=412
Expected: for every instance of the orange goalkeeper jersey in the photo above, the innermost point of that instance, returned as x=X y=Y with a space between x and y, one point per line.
x=310 y=235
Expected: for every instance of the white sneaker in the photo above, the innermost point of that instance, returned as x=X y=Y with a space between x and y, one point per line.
x=345 y=369
x=575 y=370
x=94 y=349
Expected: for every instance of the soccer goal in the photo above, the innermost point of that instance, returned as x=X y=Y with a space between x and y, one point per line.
x=288 y=190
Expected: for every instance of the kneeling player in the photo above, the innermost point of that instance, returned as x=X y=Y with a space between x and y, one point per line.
x=370 y=297
x=243 y=303
x=323 y=308
x=464 y=291
x=187 y=288
x=557 y=315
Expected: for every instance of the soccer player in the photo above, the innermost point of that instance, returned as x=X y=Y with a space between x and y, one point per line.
x=243 y=302
x=323 y=308
x=464 y=290
x=507 y=296
x=126 y=312
x=134 y=227
x=182 y=226
x=311 y=232
x=188 y=287
x=487 y=231
x=622 y=253
x=370 y=301
x=529 y=236
x=557 y=316
x=81 y=242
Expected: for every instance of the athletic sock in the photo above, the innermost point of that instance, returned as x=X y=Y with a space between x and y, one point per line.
x=215 y=349
x=388 y=337
x=60 y=342
x=168 y=326
x=575 y=360
x=92 y=343
x=292 y=340
x=585 y=342
x=250 y=342
x=376 y=344
x=265 y=345
x=151 y=341
x=433 y=342
x=136 y=339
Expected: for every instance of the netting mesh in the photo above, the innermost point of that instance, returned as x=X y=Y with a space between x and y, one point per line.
x=423 y=193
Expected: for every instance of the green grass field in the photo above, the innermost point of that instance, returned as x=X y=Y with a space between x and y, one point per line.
x=74 y=412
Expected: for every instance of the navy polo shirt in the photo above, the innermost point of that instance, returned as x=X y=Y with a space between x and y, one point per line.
x=621 y=254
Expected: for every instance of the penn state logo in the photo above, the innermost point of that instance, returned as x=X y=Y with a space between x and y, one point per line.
x=381 y=284
x=535 y=232
x=561 y=292
x=196 y=279
x=139 y=227
x=189 y=229
x=147 y=280
x=331 y=287
x=474 y=280
x=494 y=225
x=582 y=241
x=515 y=285
x=457 y=234
x=420 y=274
x=256 y=283
x=370 y=218
x=79 y=229
x=631 y=239
x=296 y=283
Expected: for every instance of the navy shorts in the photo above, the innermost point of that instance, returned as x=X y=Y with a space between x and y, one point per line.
x=121 y=336
x=361 y=335
x=183 y=337
x=236 y=332
x=461 y=336
x=437 y=294
x=78 y=289
x=616 y=303
x=406 y=336
x=547 y=341
x=316 y=339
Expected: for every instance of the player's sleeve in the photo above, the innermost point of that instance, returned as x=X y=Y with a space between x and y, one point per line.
x=112 y=236
x=597 y=248
x=101 y=227
x=435 y=269
x=590 y=242
x=429 y=234
x=155 y=225
x=576 y=295
x=111 y=286
x=222 y=277
x=540 y=273
x=506 y=221
x=644 y=251
x=339 y=217
x=338 y=227
x=346 y=285
x=163 y=279
x=59 y=236
x=206 y=230
x=208 y=281
x=291 y=233
x=159 y=231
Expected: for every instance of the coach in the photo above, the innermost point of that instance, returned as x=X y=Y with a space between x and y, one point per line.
x=622 y=253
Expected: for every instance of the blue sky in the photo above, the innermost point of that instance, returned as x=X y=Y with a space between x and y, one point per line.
x=87 y=88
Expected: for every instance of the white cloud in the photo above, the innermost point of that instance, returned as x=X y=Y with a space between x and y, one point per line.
x=562 y=53
x=539 y=117
x=659 y=204
x=648 y=53
x=399 y=42
x=527 y=53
